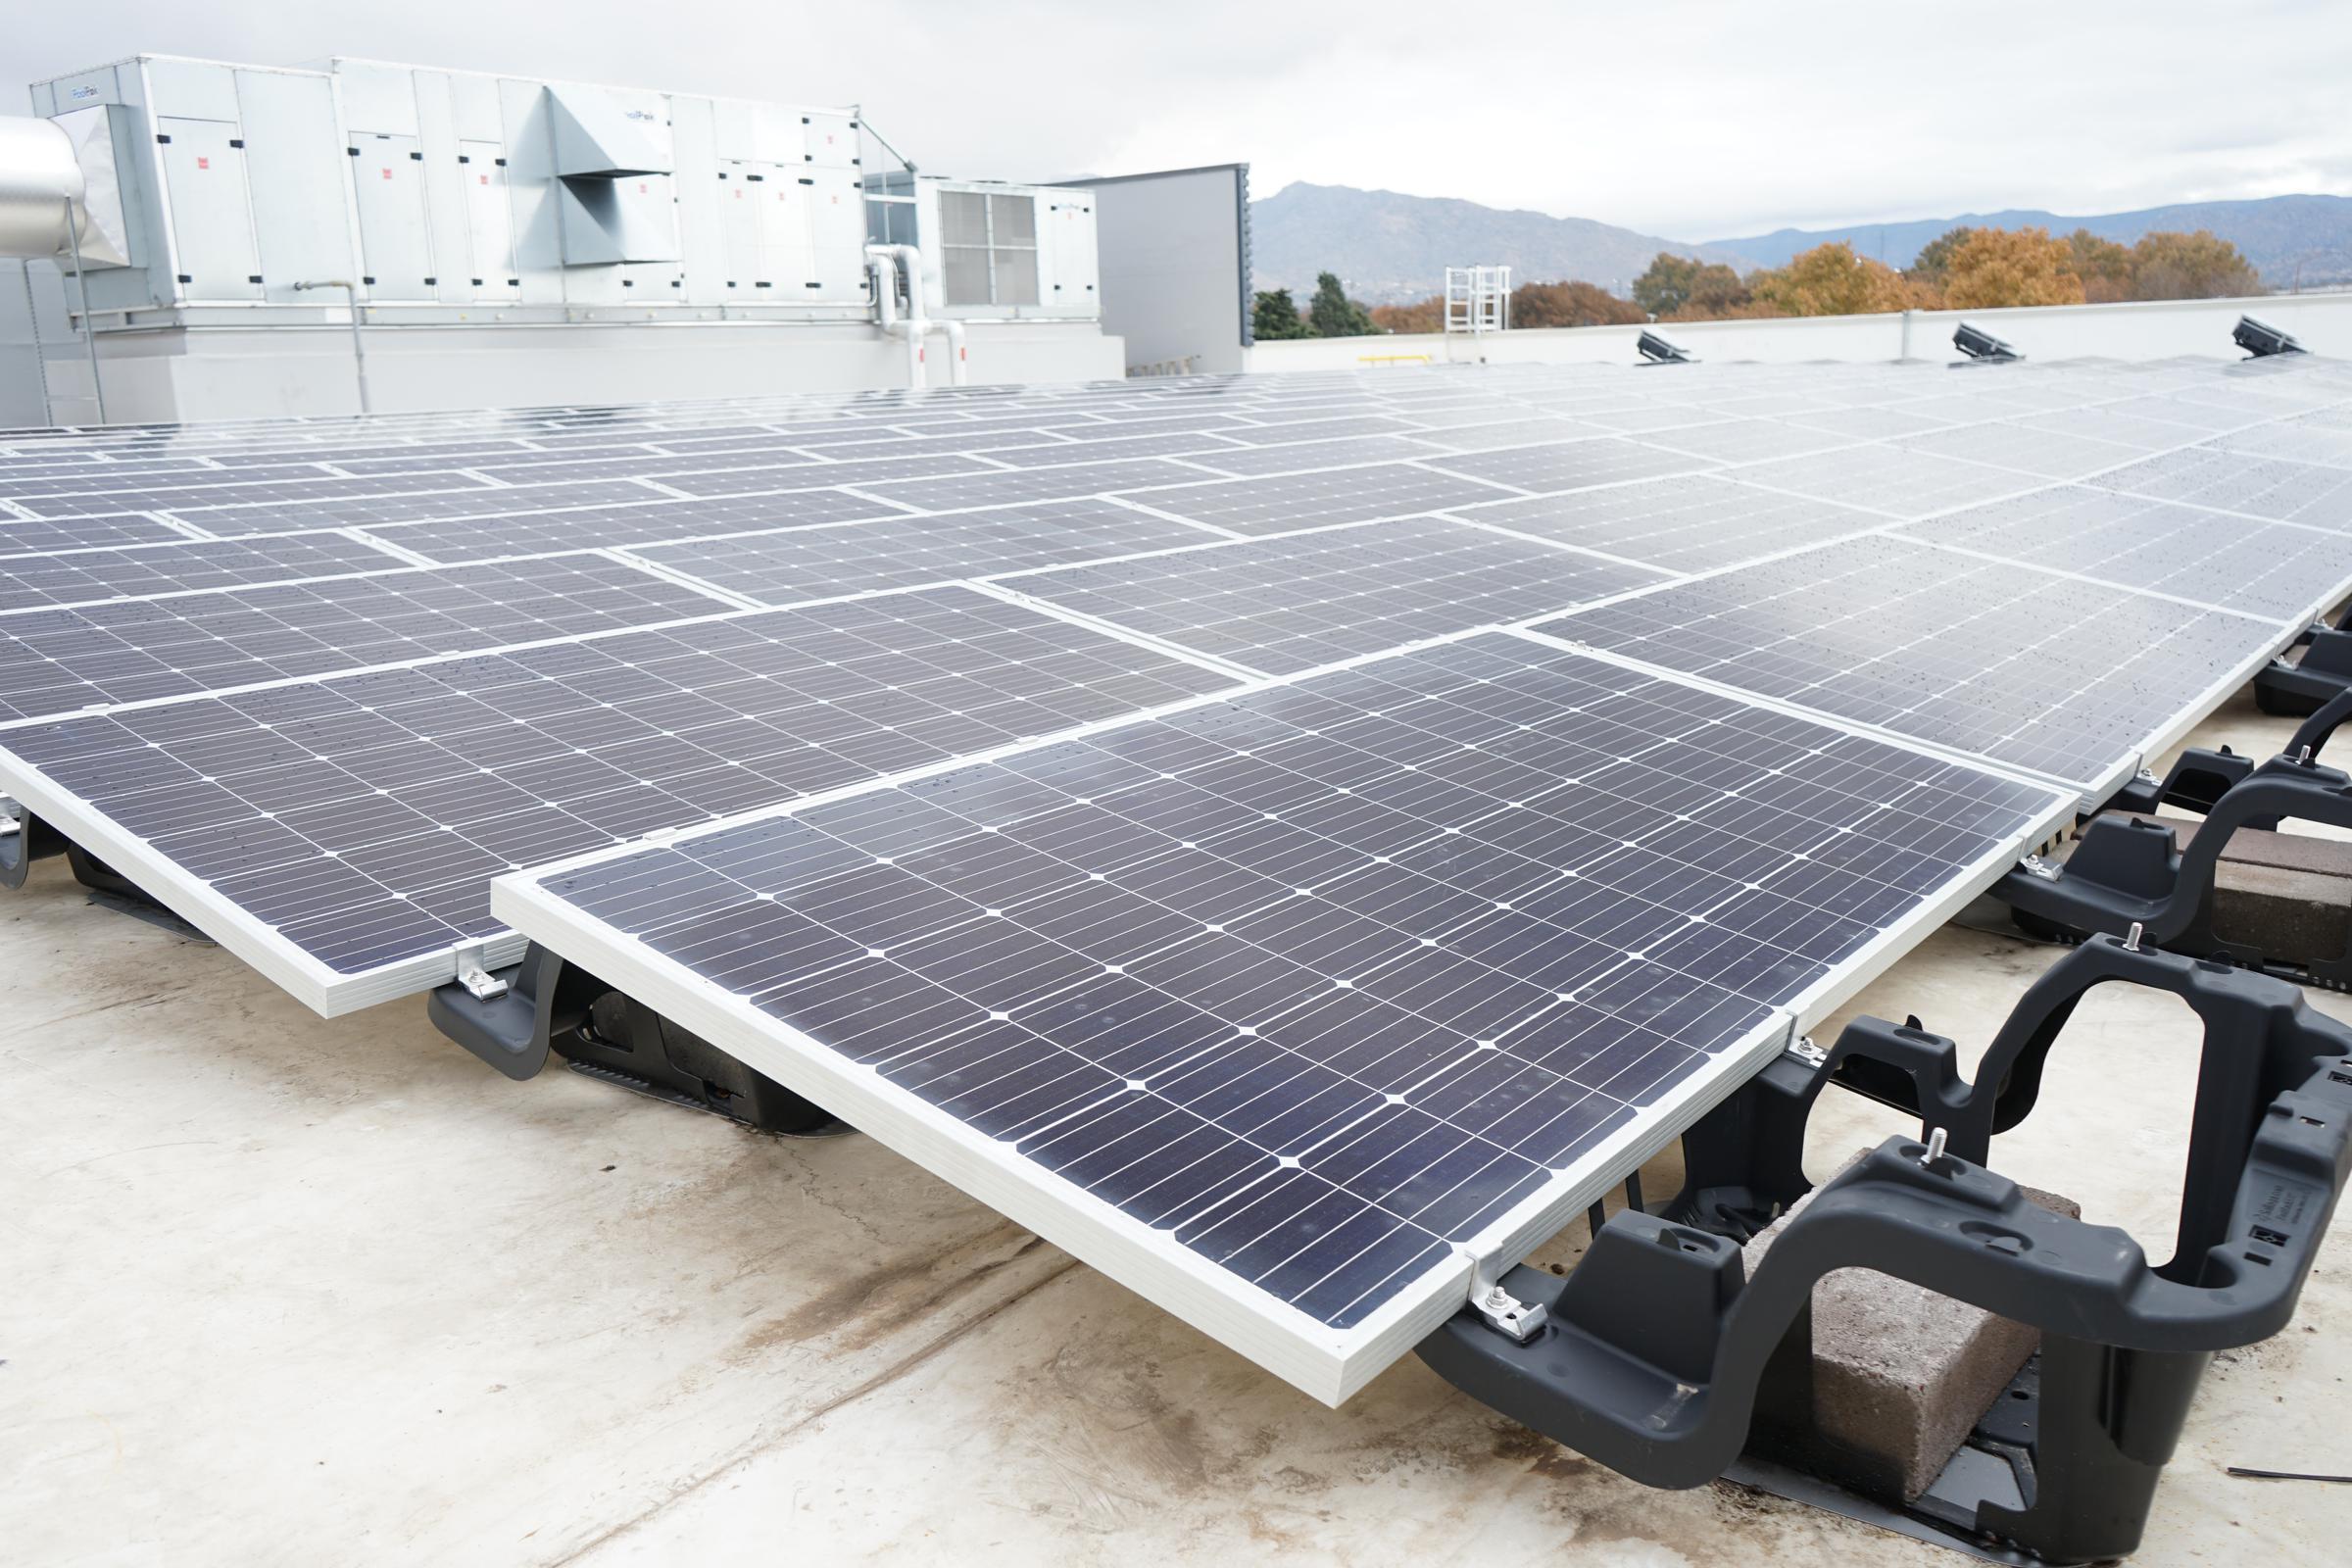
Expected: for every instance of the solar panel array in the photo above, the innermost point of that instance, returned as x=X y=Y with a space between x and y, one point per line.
x=1177 y=534
x=1118 y=794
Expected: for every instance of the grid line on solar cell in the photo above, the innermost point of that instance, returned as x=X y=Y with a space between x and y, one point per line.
x=1296 y=601
x=1327 y=981
x=137 y=650
x=360 y=818
x=2044 y=672
x=1687 y=523
x=2280 y=572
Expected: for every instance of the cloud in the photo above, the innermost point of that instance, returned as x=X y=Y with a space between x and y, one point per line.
x=1677 y=118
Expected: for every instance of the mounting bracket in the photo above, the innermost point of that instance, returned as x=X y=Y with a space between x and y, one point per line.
x=2125 y=870
x=1661 y=1359
x=515 y=1018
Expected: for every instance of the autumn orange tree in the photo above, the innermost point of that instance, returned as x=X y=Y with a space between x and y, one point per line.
x=2203 y=266
x=1673 y=283
x=1832 y=280
x=2103 y=266
x=1573 y=304
x=1997 y=268
x=1422 y=315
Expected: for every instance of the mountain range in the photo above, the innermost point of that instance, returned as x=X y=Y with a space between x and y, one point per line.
x=1391 y=248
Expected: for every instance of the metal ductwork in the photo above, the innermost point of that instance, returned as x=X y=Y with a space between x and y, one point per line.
x=41 y=182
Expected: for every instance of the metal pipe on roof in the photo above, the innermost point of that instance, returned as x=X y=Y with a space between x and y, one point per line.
x=41 y=190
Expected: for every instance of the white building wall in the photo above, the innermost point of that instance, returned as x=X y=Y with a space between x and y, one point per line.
x=2141 y=330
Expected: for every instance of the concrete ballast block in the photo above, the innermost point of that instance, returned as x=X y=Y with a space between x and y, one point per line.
x=1901 y=1374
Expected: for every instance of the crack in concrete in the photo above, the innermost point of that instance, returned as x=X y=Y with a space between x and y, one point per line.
x=847 y=1397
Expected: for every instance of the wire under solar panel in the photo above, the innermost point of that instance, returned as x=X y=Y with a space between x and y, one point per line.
x=896 y=552
x=1296 y=601
x=2048 y=673
x=2276 y=570
x=1317 y=988
x=1685 y=523
x=358 y=821
x=2272 y=488
x=136 y=649
x=86 y=576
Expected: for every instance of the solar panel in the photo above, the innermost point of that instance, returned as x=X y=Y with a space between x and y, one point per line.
x=257 y=568
x=2274 y=489
x=2052 y=674
x=1283 y=1007
x=136 y=649
x=340 y=833
x=1287 y=503
x=2279 y=571
x=820 y=562
x=87 y=577
x=1888 y=479
x=1294 y=601
x=1688 y=523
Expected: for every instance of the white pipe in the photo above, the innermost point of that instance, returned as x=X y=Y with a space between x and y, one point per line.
x=359 y=352
x=907 y=262
x=955 y=332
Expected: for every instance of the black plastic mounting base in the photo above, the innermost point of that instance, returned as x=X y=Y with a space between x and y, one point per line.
x=552 y=1007
x=33 y=840
x=1662 y=1359
x=2294 y=688
x=2127 y=871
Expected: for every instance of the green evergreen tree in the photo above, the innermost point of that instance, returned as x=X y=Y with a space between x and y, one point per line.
x=1273 y=317
x=1335 y=314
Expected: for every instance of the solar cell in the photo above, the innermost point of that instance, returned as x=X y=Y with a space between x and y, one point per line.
x=2039 y=671
x=1282 y=1007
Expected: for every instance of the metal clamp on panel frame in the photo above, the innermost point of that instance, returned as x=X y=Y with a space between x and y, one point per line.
x=515 y=1018
x=1661 y=1357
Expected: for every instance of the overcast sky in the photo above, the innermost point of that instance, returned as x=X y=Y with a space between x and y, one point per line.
x=1691 y=121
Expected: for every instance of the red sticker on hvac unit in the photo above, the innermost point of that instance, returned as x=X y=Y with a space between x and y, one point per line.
x=484 y=179
x=387 y=173
x=204 y=162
